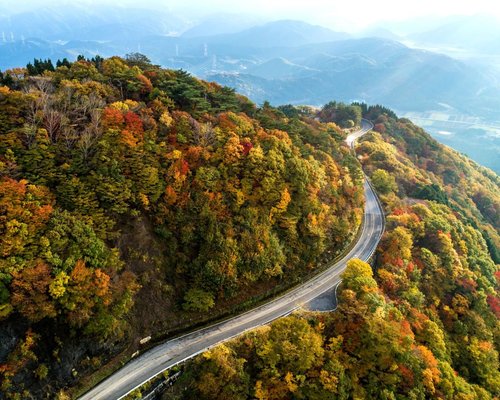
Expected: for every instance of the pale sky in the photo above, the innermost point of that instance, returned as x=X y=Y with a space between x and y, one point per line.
x=350 y=13
x=339 y=14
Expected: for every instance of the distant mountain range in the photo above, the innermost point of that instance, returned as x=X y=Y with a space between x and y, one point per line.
x=101 y=23
x=372 y=70
x=220 y=24
x=281 y=61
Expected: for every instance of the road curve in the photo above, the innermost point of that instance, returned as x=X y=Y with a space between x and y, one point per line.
x=366 y=126
x=144 y=367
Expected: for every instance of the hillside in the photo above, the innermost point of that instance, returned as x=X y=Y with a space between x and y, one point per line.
x=422 y=323
x=137 y=201
x=424 y=169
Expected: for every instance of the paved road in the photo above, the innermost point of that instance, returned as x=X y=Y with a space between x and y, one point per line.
x=366 y=126
x=166 y=355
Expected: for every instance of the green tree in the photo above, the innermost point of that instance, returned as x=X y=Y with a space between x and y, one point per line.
x=198 y=300
x=383 y=182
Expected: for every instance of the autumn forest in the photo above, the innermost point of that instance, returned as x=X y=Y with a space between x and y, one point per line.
x=138 y=201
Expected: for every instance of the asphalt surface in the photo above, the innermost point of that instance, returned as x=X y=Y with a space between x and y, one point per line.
x=172 y=352
x=326 y=301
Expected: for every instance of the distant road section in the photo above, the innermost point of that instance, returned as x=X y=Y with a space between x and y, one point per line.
x=366 y=126
x=164 y=356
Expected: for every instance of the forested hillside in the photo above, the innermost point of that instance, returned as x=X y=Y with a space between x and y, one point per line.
x=135 y=199
x=422 y=323
x=425 y=170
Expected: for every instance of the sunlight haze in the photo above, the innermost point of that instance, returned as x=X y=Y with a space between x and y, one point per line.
x=339 y=15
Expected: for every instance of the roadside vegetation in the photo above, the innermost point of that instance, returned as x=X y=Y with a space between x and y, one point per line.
x=423 y=322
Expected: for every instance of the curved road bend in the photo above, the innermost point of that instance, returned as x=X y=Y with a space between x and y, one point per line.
x=141 y=369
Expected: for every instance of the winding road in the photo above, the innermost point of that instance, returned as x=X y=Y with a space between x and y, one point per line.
x=144 y=367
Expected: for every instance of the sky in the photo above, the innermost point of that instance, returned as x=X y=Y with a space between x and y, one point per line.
x=345 y=15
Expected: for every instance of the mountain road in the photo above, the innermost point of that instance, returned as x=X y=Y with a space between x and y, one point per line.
x=172 y=352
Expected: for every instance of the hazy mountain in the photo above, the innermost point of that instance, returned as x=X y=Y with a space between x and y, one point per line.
x=281 y=68
x=373 y=70
x=283 y=33
x=97 y=23
x=220 y=24
x=480 y=33
x=416 y=25
x=19 y=53
x=289 y=62
x=379 y=32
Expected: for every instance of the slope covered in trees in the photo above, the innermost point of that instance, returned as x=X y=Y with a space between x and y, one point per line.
x=423 y=323
x=134 y=199
x=425 y=170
